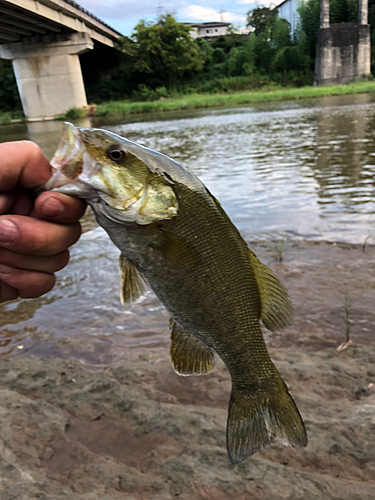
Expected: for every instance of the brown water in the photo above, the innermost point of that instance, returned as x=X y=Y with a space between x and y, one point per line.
x=294 y=170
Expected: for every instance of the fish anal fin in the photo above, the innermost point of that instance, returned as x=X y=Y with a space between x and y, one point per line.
x=133 y=284
x=276 y=306
x=258 y=418
x=189 y=355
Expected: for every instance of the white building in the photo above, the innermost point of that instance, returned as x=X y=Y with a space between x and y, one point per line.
x=288 y=11
x=208 y=30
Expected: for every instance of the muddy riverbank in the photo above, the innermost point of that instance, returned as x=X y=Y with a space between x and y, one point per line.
x=135 y=430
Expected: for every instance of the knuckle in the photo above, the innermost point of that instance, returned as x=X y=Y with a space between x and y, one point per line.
x=33 y=149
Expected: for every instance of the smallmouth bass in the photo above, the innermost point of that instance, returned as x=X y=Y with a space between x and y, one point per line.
x=174 y=236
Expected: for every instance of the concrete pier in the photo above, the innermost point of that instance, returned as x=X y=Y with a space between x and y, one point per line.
x=342 y=50
x=324 y=14
x=44 y=39
x=41 y=68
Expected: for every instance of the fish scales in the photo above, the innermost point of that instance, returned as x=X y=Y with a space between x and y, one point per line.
x=173 y=234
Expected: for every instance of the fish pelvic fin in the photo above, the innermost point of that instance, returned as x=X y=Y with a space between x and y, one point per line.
x=189 y=355
x=133 y=284
x=276 y=306
x=259 y=417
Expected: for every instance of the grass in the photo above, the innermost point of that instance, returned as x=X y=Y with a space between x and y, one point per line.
x=7 y=117
x=196 y=101
x=348 y=341
x=199 y=101
x=278 y=248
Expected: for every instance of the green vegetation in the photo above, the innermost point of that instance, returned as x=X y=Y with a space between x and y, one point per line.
x=163 y=61
x=278 y=248
x=348 y=341
x=73 y=114
x=161 y=67
x=9 y=98
x=196 y=101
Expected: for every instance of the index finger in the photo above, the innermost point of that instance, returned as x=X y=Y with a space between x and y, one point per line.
x=58 y=207
x=22 y=163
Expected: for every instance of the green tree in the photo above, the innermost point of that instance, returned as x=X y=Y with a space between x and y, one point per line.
x=261 y=17
x=264 y=52
x=343 y=11
x=290 y=59
x=241 y=60
x=9 y=97
x=309 y=12
x=163 y=53
x=227 y=42
x=280 y=33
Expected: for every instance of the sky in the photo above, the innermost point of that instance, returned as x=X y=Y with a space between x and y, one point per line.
x=123 y=15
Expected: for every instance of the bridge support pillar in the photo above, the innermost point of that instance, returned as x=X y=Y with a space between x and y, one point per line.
x=342 y=50
x=48 y=73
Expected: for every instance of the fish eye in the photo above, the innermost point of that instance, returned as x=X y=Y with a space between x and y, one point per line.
x=115 y=154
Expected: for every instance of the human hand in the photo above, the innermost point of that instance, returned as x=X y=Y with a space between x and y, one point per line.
x=34 y=234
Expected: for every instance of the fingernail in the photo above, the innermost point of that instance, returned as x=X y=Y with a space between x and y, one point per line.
x=6 y=269
x=8 y=231
x=52 y=207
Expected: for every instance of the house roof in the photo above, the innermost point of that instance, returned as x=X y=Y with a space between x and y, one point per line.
x=282 y=3
x=208 y=25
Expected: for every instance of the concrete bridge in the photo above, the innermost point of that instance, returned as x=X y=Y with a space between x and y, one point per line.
x=343 y=51
x=44 y=39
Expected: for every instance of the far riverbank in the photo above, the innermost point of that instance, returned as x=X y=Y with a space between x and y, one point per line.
x=197 y=101
x=200 y=101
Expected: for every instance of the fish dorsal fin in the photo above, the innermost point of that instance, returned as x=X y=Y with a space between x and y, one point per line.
x=133 y=284
x=276 y=307
x=189 y=355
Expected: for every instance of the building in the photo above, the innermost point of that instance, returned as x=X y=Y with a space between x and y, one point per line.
x=208 y=30
x=288 y=11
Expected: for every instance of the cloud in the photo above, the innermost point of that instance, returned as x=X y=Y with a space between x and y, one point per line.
x=123 y=15
x=199 y=13
x=127 y=9
x=130 y=9
x=254 y=5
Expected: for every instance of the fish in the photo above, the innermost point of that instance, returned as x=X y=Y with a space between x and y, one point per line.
x=175 y=238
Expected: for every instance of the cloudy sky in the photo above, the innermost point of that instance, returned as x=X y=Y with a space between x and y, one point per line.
x=123 y=15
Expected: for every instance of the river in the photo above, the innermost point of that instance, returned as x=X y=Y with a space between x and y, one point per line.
x=288 y=170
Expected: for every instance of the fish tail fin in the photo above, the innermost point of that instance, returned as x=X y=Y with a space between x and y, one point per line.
x=259 y=417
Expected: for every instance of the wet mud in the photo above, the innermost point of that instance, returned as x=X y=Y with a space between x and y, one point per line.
x=132 y=429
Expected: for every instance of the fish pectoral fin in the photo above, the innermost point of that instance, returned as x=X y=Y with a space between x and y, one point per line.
x=262 y=416
x=133 y=284
x=276 y=307
x=189 y=355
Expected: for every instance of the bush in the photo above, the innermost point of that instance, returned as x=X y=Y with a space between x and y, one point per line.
x=74 y=113
x=290 y=59
x=5 y=118
x=9 y=97
x=145 y=93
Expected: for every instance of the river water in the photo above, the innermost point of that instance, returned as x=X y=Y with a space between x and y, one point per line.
x=300 y=170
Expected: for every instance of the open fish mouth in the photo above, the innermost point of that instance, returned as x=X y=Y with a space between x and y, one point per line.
x=69 y=164
x=68 y=158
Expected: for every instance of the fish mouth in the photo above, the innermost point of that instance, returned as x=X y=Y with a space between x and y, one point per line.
x=68 y=156
x=68 y=164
